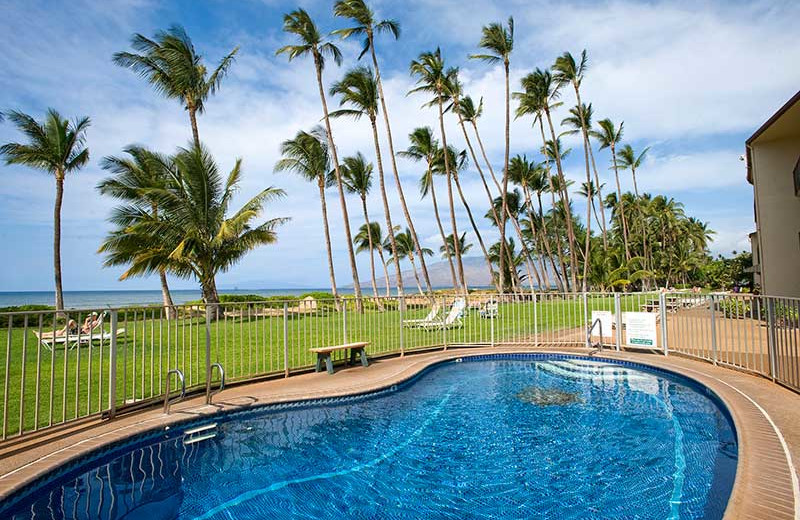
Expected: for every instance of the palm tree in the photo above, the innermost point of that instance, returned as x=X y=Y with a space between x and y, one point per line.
x=540 y=182
x=628 y=160
x=499 y=42
x=406 y=248
x=369 y=236
x=568 y=71
x=434 y=78
x=193 y=234
x=132 y=178
x=514 y=205
x=423 y=146
x=581 y=115
x=357 y=178
x=448 y=249
x=589 y=191
x=170 y=63
x=609 y=136
x=538 y=99
x=300 y=24
x=55 y=146
x=358 y=90
x=368 y=27
x=307 y=156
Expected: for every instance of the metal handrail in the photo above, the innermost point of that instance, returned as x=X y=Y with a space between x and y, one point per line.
x=589 y=335
x=167 y=401
x=221 y=379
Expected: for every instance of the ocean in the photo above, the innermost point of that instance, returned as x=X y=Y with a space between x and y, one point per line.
x=101 y=299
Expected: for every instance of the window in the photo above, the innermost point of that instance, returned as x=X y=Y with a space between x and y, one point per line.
x=797 y=178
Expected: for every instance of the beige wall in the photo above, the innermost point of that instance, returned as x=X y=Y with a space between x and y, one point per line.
x=778 y=215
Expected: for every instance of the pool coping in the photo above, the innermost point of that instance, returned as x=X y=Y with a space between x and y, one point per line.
x=765 y=485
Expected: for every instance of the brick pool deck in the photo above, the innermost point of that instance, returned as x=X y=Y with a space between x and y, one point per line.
x=767 y=419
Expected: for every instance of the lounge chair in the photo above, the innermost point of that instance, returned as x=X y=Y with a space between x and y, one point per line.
x=432 y=316
x=76 y=339
x=452 y=320
x=489 y=310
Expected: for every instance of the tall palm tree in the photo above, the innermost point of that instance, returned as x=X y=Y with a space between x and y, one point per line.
x=194 y=235
x=170 y=63
x=538 y=99
x=424 y=147
x=57 y=147
x=629 y=160
x=539 y=183
x=609 y=136
x=581 y=115
x=311 y=42
x=434 y=78
x=369 y=238
x=568 y=71
x=357 y=178
x=358 y=90
x=498 y=41
x=367 y=27
x=514 y=204
x=307 y=156
x=132 y=178
x=406 y=249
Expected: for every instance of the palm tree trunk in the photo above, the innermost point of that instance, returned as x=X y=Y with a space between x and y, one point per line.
x=456 y=245
x=504 y=191
x=565 y=197
x=335 y=156
x=402 y=197
x=620 y=206
x=552 y=190
x=441 y=228
x=474 y=227
x=57 y=240
x=385 y=270
x=414 y=269
x=371 y=255
x=599 y=199
x=485 y=157
x=386 y=212
x=166 y=297
x=193 y=121
x=536 y=235
x=325 y=226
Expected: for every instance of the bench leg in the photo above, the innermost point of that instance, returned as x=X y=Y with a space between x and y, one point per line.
x=364 y=360
x=319 y=363
x=329 y=363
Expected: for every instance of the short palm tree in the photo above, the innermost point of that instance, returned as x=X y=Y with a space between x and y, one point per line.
x=367 y=26
x=307 y=156
x=370 y=236
x=171 y=64
x=448 y=249
x=132 y=179
x=311 y=42
x=358 y=91
x=498 y=41
x=406 y=249
x=609 y=136
x=194 y=234
x=434 y=78
x=357 y=178
x=57 y=147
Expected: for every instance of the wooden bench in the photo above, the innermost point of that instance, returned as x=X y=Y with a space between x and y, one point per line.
x=324 y=354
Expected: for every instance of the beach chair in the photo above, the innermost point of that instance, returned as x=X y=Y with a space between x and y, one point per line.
x=452 y=320
x=489 y=310
x=72 y=340
x=432 y=316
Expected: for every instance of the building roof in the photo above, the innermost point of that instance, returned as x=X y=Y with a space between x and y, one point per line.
x=784 y=122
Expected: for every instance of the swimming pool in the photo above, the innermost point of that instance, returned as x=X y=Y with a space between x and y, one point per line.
x=501 y=436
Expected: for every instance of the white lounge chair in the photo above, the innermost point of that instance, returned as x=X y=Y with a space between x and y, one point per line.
x=489 y=310
x=72 y=340
x=453 y=318
x=432 y=316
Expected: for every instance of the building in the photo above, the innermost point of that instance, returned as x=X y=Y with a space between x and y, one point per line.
x=773 y=168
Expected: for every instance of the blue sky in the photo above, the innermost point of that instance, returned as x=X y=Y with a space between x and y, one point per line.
x=690 y=79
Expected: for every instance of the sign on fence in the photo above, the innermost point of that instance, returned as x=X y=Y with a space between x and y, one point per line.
x=606 y=323
x=640 y=329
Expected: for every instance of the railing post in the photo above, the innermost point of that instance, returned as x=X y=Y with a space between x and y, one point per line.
x=618 y=316
x=400 y=307
x=771 y=337
x=285 y=339
x=112 y=368
x=344 y=322
x=662 y=310
x=713 y=307
x=208 y=350
x=444 y=324
x=491 y=324
x=585 y=303
x=535 y=320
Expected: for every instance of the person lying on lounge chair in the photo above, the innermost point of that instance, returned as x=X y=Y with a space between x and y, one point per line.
x=70 y=328
x=90 y=323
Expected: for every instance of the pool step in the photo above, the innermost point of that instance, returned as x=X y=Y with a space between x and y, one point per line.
x=200 y=433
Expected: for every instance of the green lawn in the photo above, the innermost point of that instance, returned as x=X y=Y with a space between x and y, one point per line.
x=74 y=383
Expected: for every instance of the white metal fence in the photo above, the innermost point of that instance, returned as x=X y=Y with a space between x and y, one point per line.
x=60 y=368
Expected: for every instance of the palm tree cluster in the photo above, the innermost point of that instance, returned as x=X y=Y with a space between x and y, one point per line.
x=542 y=242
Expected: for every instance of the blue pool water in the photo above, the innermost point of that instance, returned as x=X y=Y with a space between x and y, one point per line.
x=524 y=436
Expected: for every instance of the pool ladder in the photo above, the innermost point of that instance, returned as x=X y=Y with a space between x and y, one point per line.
x=167 y=401
x=200 y=433
x=589 y=330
